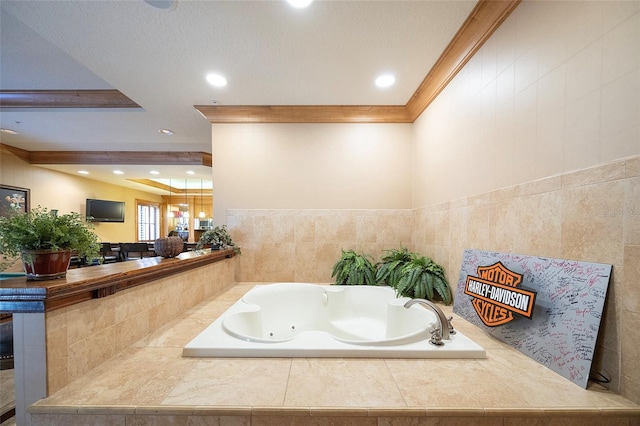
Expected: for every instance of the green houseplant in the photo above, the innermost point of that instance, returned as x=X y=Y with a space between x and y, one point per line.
x=413 y=275
x=354 y=269
x=218 y=238
x=422 y=278
x=389 y=270
x=42 y=238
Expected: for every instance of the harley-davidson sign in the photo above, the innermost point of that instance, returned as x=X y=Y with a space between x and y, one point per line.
x=496 y=296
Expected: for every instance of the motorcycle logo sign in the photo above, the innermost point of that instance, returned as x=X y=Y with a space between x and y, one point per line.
x=496 y=297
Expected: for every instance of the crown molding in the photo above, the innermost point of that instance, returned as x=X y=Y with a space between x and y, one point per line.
x=65 y=99
x=173 y=189
x=18 y=152
x=111 y=157
x=481 y=23
x=304 y=114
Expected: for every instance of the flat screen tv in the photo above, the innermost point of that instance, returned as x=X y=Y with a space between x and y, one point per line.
x=105 y=211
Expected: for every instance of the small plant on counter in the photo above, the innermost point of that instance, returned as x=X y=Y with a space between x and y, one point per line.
x=27 y=235
x=218 y=238
x=354 y=269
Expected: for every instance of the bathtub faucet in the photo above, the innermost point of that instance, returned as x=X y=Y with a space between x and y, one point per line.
x=445 y=328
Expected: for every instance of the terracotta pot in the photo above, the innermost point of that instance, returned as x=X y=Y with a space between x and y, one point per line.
x=45 y=264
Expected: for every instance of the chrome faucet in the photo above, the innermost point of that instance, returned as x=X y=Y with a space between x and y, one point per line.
x=445 y=329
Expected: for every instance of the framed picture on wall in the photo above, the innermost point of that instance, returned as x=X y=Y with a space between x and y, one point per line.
x=13 y=198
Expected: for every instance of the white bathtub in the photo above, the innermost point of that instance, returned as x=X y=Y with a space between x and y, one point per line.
x=311 y=320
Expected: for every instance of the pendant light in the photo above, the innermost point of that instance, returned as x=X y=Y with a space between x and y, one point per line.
x=201 y=214
x=186 y=200
x=169 y=213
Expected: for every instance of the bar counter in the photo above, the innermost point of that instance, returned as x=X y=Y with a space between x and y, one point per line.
x=65 y=327
x=17 y=295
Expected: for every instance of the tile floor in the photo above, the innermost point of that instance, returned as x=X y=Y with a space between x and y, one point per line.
x=152 y=378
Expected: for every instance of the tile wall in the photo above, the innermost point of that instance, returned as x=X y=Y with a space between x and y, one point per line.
x=303 y=245
x=83 y=336
x=532 y=148
x=591 y=215
x=554 y=90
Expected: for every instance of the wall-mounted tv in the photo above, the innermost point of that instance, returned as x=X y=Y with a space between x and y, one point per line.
x=105 y=211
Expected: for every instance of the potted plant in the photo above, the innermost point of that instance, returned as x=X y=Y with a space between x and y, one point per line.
x=218 y=238
x=389 y=270
x=354 y=269
x=422 y=278
x=45 y=241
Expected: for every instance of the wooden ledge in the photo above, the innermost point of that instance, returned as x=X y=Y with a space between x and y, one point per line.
x=17 y=295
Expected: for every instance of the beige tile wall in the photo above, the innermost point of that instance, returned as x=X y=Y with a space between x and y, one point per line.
x=303 y=245
x=555 y=89
x=494 y=159
x=532 y=148
x=591 y=215
x=83 y=336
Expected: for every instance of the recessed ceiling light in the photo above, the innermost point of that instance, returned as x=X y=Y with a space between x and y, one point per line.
x=154 y=172
x=299 y=3
x=165 y=5
x=9 y=131
x=385 y=80
x=83 y=172
x=118 y=172
x=191 y=172
x=167 y=132
x=216 y=80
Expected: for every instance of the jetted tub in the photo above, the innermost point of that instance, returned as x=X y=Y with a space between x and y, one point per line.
x=312 y=320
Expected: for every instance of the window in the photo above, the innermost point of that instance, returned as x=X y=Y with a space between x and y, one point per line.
x=148 y=221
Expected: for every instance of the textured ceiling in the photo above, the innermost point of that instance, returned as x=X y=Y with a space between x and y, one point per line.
x=270 y=53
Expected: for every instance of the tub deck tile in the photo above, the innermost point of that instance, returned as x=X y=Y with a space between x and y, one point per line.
x=151 y=379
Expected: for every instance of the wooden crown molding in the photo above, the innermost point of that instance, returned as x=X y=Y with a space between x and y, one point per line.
x=111 y=157
x=304 y=114
x=481 y=23
x=65 y=99
x=179 y=191
x=18 y=152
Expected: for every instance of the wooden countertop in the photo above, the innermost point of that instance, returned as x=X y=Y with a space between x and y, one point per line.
x=17 y=295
